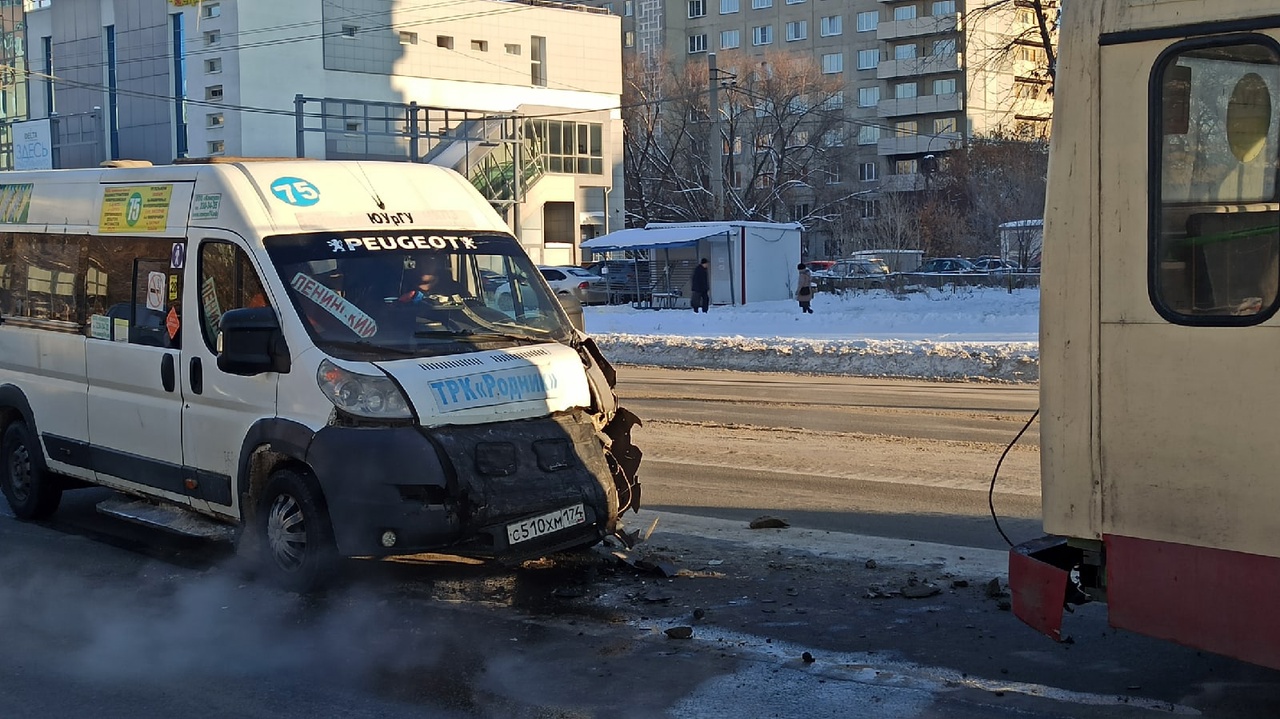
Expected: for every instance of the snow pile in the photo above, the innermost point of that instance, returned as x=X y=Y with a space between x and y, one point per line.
x=970 y=333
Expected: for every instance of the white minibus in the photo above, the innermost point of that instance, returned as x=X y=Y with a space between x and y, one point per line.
x=321 y=358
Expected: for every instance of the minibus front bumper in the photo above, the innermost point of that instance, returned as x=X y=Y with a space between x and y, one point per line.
x=466 y=489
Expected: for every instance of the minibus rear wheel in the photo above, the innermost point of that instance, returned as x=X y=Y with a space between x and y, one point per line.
x=295 y=537
x=31 y=491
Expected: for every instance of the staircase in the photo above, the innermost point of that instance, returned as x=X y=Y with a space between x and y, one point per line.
x=483 y=150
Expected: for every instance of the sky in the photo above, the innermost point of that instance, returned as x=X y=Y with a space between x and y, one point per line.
x=964 y=334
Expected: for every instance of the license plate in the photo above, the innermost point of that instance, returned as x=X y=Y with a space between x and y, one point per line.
x=545 y=524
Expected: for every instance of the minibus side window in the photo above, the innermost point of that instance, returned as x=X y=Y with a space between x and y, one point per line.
x=228 y=281
x=133 y=291
x=1215 y=221
x=38 y=278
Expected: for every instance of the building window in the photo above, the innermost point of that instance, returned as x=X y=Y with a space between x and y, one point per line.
x=906 y=128
x=211 y=11
x=444 y=41
x=408 y=38
x=537 y=61
x=214 y=37
x=868 y=59
x=761 y=4
x=832 y=170
x=833 y=63
x=569 y=147
x=904 y=12
x=905 y=90
x=868 y=172
x=868 y=209
x=628 y=8
x=835 y=101
x=216 y=147
x=728 y=7
x=697 y=8
x=800 y=210
x=730 y=39
x=179 y=74
x=794 y=2
x=513 y=48
x=869 y=96
x=213 y=65
x=213 y=92
x=762 y=35
x=943 y=7
x=214 y=119
x=867 y=21
x=944 y=87
x=480 y=45
x=906 y=167
x=351 y=126
x=943 y=48
x=904 y=52
x=868 y=134
x=628 y=39
x=797 y=30
x=46 y=44
x=944 y=125
x=698 y=43
x=832 y=25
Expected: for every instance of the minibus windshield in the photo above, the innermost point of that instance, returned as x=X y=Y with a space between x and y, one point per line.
x=415 y=292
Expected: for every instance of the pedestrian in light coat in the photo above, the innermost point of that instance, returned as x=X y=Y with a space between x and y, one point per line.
x=804 y=289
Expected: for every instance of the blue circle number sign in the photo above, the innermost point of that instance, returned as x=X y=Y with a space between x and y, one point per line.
x=295 y=191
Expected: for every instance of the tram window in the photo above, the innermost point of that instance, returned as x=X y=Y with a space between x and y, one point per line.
x=1216 y=219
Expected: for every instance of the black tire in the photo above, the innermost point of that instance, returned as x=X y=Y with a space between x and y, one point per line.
x=30 y=490
x=296 y=549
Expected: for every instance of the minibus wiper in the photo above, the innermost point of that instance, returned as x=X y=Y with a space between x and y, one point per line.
x=474 y=335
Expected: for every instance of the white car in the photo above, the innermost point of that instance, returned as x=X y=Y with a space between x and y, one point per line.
x=588 y=287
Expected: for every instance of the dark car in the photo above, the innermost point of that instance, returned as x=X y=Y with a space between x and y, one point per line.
x=625 y=280
x=947 y=265
x=995 y=265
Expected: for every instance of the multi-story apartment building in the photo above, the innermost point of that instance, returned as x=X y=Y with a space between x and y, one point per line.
x=920 y=76
x=521 y=96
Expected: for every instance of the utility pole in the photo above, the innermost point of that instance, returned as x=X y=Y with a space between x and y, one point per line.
x=717 y=140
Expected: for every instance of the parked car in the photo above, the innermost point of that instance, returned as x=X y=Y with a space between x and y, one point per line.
x=947 y=265
x=816 y=266
x=625 y=280
x=995 y=265
x=587 y=287
x=853 y=275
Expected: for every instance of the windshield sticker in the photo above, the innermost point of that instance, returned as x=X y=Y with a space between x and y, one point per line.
x=295 y=191
x=206 y=206
x=490 y=388
x=156 y=282
x=378 y=243
x=135 y=209
x=100 y=327
x=15 y=202
x=212 y=308
x=335 y=304
x=391 y=218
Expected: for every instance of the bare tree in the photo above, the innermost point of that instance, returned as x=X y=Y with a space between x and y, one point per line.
x=782 y=131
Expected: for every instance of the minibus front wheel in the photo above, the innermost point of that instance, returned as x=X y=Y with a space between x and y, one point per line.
x=297 y=549
x=28 y=487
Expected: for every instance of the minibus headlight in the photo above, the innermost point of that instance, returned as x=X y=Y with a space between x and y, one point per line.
x=361 y=394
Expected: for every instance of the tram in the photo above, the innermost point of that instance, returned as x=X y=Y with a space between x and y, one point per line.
x=1159 y=340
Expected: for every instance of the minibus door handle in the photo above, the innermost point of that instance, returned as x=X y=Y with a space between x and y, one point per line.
x=167 y=372
x=197 y=376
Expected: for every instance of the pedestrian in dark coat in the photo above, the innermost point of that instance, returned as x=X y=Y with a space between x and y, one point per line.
x=700 y=287
x=804 y=289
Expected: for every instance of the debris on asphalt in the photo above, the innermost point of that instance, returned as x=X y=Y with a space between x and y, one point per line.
x=808 y=658
x=920 y=591
x=680 y=632
x=767 y=522
x=960 y=584
x=699 y=613
x=994 y=590
x=871 y=564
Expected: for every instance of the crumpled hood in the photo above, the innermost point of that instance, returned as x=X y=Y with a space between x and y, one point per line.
x=515 y=383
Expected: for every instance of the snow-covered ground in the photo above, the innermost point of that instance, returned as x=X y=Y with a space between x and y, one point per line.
x=970 y=333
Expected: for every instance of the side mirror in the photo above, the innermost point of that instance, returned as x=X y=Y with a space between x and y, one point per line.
x=573 y=308
x=250 y=343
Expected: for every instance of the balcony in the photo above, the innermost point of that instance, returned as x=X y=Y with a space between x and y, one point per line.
x=926 y=65
x=917 y=144
x=922 y=105
x=911 y=182
x=916 y=27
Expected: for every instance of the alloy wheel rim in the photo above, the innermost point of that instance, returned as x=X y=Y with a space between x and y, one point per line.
x=287 y=532
x=20 y=473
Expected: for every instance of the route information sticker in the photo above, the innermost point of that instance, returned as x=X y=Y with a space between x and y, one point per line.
x=140 y=208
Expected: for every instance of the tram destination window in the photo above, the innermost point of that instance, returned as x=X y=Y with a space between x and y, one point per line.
x=1215 y=220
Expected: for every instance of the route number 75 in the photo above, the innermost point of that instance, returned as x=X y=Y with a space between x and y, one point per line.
x=295 y=191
